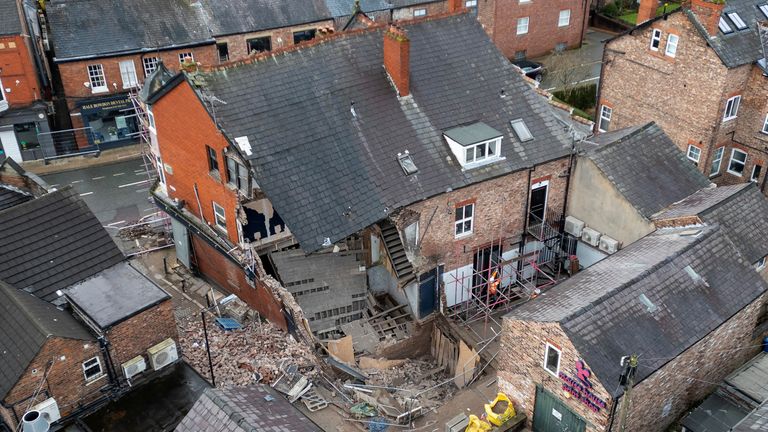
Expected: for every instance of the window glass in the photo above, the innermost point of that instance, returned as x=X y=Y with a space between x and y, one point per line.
x=92 y=369
x=128 y=74
x=213 y=163
x=765 y=125
x=419 y=12
x=565 y=18
x=463 y=220
x=655 y=39
x=716 y=161
x=671 y=49
x=756 y=170
x=305 y=35
x=694 y=153
x=605 y=118
x=732 y=108
x=219 y=216
x=522 y=25
x=724 y=26
x=738 y=162
x=96 y=78
x=259 y=44
x=552 y=359
x=150 y=65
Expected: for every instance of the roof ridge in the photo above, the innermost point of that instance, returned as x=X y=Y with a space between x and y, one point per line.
x=624 y=138
x=706 y=233
x=739 y=191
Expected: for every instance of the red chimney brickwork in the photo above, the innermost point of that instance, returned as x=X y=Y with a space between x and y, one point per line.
x=455 y=5
x=397 y=59
x=708 y=14
x=647 y=10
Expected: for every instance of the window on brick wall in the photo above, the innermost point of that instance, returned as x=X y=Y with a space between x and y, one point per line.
x=96 y=77
x=219 y=216
x=671 y=48
x=765 y=123
x=464 y=219
x=150 y=65
x=419 y=13
x=694 y=153
x=470 y=3
x=522 y=25
x=552 y=359
x=731 y=108
x=564 y=19
x=185 y=56
x=213 y=162
x=714 y=168
x=756 y=171
x=223 y=50
x=655 y=39
x=259 y=44
x=128 y=74
x=237 y=175
x=737 y=163
x=605 y=118
x=92 y=369
x=304 y=35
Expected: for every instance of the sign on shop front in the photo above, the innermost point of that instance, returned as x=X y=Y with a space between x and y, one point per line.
x=581 y=388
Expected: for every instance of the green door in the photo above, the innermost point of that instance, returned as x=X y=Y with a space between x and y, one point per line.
x=551 y=415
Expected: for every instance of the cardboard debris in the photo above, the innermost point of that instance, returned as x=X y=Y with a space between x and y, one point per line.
x=341 y=350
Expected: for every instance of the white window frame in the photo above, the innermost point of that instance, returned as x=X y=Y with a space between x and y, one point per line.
x=765 y=125
x=470 y=3
x=564 y=21
x=603 y=116
x=737 y=21
x=753 y=177
x=184 y=55
x=96 y=376
x=523 y=29
x=671 y=49
x=485 y=145
x=760 y=265
x=461 y=221
x=764 y=9
x=724 y=26
x=655 y=39
x=151 y=119
x=418 y=13
x=696 y=151
x=95 y=73
x=128 y=74
x=718 y=158
x=546 y=358
x=732 y=108
x=3 y=98
x=220 y=220
x=149 y=64
x=743 y=164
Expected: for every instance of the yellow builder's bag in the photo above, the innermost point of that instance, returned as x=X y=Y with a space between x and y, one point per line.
x=477 y=425
x=500 y=410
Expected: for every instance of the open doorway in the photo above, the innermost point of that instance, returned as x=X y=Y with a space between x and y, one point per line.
x=538 y=207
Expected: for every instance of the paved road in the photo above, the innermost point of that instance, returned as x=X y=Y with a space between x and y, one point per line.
x=118 y=194
x=586 y=61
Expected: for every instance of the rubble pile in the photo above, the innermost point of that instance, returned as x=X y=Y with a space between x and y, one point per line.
x=244 y=356
x=414 y=377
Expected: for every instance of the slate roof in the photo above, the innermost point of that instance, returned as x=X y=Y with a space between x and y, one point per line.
x=742 y=46
x=341 y=8
x=115 y=294
x=243 y=16
x=52 y=242
x=756 y=421
x=11 y=196
x=26 y=322
x=600 y=309
x=715 y=414
x=739 y=209
x=329 y=174
x=10 y=21
x=646 y=167
x=85 y=28
x=244 y=409
x=472 y=133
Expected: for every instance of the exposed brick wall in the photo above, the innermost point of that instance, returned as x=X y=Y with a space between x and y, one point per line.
x=187 y=157
x=134 y=336
x=499 y=211
x=281 y=37
x=499 y=18
x=65 y=381
x=397 y=56
x=16 y=64
x=231 y=278
x=434 y=8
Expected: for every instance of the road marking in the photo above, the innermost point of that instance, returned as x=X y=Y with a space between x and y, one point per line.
x=118 y=174
x=86 y=193
x=54 y=185
x=116 y=223
x=150 y=209
x=98 y=178
x=142 y=190
x=76 y=181
x=133 y=184
x=139 y=171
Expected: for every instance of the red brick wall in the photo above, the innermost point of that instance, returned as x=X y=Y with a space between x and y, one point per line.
x=186 y=155
x=17 y=65
x=280 y=38
x=65 y=381
x=134 y=336
x=406 y=13
x=499 y=18
x=231 y=278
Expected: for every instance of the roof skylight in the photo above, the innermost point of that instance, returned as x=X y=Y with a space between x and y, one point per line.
x=740 y=24
x=764 y=9
x=724 y=27
x=406 y=163
x=523 y=134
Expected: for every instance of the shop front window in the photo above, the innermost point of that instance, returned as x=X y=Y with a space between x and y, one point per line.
x=26 y=136
x=109 y=125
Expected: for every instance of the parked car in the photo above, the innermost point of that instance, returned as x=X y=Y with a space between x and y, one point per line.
x=531 y=69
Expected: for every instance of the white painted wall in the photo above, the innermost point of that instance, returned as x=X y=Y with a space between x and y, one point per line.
x=588 y=255
x=10 y=145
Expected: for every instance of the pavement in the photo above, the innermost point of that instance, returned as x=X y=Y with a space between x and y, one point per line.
x=584 y=63
x=105 y=157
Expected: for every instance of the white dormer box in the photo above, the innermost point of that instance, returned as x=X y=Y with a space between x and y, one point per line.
x=474 y=144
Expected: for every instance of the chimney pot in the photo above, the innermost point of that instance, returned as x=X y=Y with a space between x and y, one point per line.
x=708 y=13
x=397 y=58
x=647 y=10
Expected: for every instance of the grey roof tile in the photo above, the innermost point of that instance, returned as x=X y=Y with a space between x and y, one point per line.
x=646 y=167
x=52 y=242
x=11 y=196
x=26 y=323
x=601 y=312
x=10 y=19
x=756 y=421
x=329 y=174
x=244 y=16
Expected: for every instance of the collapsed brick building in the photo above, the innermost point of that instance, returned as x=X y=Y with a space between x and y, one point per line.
x=700 y=73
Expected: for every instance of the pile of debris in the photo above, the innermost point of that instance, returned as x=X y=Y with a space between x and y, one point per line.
x=248 y=355
x=416 y=380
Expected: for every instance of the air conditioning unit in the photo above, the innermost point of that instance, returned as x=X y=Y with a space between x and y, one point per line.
x=590 y=236
x=608 y=244
x=573 y=226
x=163 y=354
x=134 y=366
x=49 y=410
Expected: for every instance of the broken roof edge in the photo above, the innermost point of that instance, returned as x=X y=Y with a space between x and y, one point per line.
x=7 y=160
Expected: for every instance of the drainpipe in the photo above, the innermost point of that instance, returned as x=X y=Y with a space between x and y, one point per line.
x=111 y=374
x=571 y=161
x=521 y=249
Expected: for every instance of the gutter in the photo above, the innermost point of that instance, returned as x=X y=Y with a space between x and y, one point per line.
x=133 y=51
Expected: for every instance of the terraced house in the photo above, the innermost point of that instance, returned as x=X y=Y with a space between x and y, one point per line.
x=428 y=161
x=701 y=74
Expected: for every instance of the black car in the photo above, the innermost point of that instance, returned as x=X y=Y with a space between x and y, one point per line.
x=530 y=69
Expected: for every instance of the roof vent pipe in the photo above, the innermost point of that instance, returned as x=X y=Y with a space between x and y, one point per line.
x=34 y=421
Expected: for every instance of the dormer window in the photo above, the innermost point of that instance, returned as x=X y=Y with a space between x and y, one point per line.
x=740 y=24
x=474 y=144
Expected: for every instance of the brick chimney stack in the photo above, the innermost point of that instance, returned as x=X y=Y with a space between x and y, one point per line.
x=397 y=59
x=455 y=5
x=647 y=10
x=708 y=13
